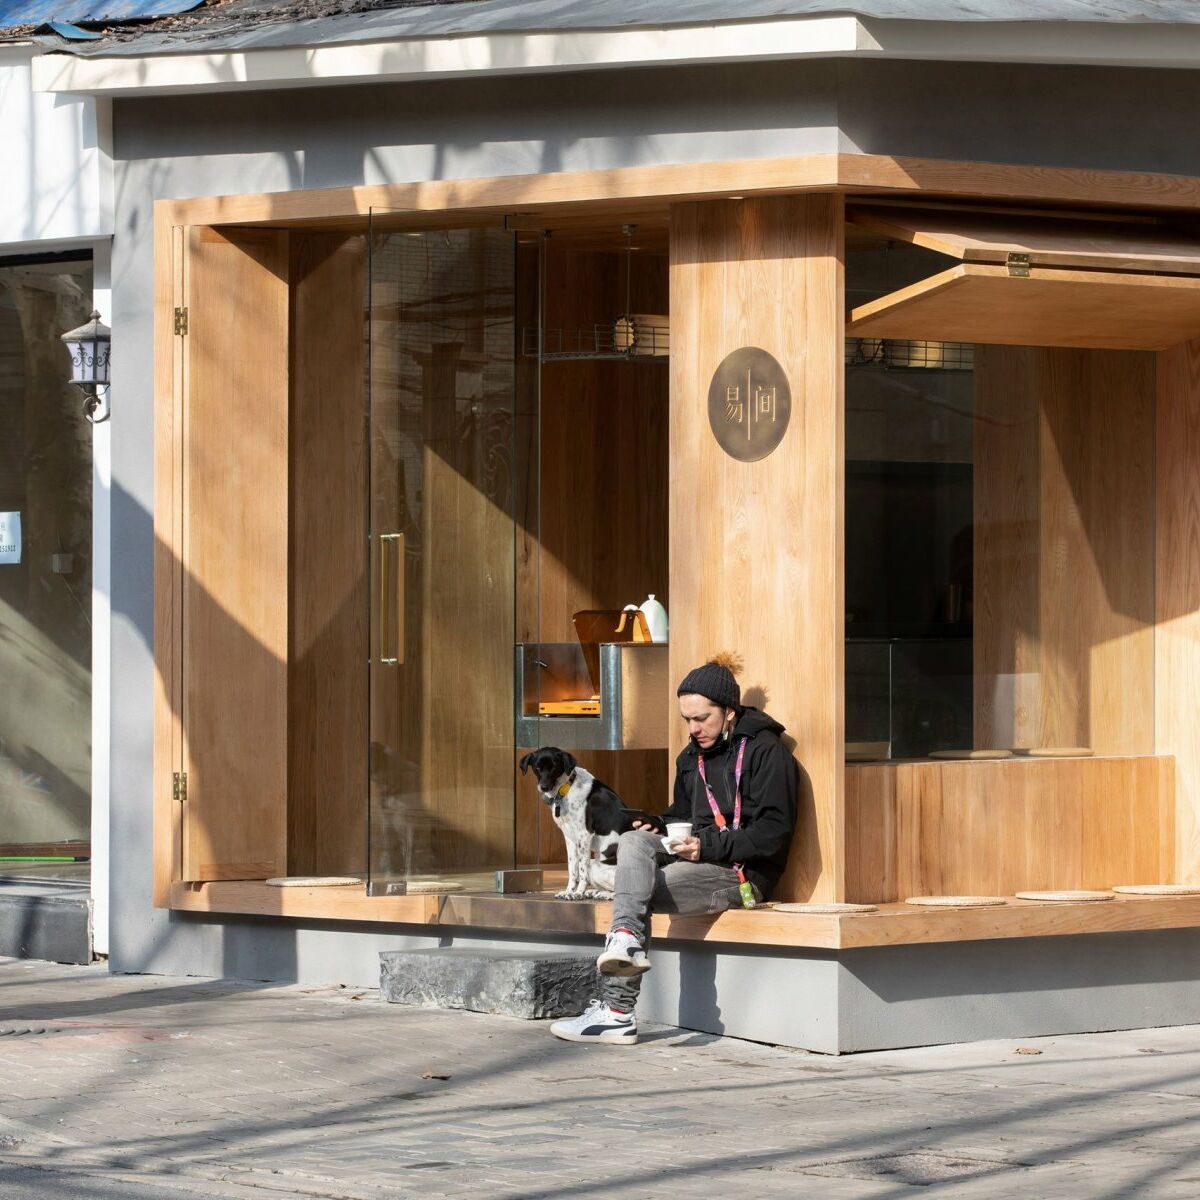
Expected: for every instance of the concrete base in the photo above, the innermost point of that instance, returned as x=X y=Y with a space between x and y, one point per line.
x=510 y=983
x=49 y=921
x=823 y=1000
x=859 y=1000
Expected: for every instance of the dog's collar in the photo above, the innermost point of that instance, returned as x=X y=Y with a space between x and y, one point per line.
x=565 y=787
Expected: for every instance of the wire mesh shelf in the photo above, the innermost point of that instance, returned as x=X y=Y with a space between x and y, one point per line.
x=629 y=339
x=886 y=353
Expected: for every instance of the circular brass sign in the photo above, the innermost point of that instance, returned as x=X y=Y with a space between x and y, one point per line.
x=749 y=404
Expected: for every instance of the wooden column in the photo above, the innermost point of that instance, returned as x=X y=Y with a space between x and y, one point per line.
x=1177 y=592
x=756 y=548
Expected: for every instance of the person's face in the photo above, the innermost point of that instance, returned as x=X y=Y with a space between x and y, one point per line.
x=705 y=720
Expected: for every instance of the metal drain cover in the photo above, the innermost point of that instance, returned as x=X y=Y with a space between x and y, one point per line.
x=916 y=1168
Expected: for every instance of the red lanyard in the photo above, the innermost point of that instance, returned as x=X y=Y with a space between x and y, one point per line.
x=744 y=887
x=718 y=815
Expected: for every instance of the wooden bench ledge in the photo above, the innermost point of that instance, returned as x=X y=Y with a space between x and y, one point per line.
x=890 y=925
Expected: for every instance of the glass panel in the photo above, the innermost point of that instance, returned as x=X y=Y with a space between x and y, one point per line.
x=443 y=537
x=45 y=570
x=999 y=541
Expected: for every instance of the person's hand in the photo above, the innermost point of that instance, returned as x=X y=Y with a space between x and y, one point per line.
x=687 y=848
x=644 y=825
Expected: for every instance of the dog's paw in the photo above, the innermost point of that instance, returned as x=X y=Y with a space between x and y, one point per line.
x=569 y=895
x=597 y=894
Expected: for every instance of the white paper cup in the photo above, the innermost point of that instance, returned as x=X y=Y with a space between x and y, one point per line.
x=678 y=830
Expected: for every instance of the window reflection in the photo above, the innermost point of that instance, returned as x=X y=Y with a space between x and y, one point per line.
x=45 y=585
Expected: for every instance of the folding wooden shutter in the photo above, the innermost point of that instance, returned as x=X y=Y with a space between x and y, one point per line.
x=235 y=554
x=1037 y=280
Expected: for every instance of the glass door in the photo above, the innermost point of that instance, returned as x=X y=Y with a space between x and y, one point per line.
x=45 y=573
x=442 y=497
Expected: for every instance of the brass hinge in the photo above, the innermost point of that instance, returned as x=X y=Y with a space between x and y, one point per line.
x=180 y=786
x=181 y=321
x=1018 y=265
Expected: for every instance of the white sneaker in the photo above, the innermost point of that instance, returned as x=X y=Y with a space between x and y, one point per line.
x=598 y=1023
x=623 y=954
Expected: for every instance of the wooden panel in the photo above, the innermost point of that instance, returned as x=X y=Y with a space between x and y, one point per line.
x=981 y=236
x=979 y=303
x=996 y=828
x=1177 y=594
x=1064 y=575
x=765 y=273
x=235 y=531
x=327 y=597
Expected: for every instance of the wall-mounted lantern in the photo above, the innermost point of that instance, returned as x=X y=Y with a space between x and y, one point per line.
x=89 y=346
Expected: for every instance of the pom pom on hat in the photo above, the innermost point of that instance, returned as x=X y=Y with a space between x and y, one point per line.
x=715 y=680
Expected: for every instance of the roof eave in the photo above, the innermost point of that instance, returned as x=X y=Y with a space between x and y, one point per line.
x=531 y=53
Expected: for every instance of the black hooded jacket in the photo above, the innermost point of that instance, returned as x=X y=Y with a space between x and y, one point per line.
x=768 y=799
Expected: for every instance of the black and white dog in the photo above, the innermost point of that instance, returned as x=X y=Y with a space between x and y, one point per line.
x=591 y=817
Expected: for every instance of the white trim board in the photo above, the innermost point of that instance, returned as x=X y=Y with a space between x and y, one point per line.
x=520 y=53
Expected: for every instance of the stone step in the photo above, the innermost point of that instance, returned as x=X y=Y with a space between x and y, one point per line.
x=512 y=983
x=50 y=921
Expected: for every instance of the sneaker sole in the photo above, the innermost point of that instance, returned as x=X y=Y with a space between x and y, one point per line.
x=619 y=965
x=602 y=1038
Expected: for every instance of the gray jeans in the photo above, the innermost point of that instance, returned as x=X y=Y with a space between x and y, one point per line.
x=651 y=880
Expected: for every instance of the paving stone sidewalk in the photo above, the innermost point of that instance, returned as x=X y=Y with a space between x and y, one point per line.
x=149 y=1087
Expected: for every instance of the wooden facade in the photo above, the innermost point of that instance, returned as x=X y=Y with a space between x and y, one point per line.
x=266 y=603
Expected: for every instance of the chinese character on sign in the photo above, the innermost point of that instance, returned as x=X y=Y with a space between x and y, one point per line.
x=733 y=404
x=749 y=404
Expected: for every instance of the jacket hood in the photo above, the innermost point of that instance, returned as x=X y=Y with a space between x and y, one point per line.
x=751 y=722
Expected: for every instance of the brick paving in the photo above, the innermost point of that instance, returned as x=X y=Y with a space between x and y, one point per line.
x=148 y=1087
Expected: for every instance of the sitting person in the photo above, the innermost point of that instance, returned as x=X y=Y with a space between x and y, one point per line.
x=736 y=783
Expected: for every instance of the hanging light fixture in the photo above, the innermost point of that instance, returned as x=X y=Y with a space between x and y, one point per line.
x=90 y=347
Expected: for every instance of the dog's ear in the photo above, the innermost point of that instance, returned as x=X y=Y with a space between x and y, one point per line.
x=568 y=761
x=524 y=763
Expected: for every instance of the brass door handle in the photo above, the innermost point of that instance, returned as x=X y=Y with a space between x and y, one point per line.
x=396 y=606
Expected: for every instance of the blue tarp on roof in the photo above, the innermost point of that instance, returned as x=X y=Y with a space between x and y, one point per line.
x=42 y=12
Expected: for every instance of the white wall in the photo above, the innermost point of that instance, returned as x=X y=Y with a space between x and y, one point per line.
x=57 y=163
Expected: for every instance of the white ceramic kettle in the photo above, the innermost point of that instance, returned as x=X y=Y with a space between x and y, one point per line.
x=655 y=616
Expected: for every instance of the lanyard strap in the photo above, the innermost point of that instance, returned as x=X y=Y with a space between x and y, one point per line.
x=718 y=815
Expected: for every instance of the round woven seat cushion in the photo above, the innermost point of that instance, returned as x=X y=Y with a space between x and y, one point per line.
x=1157 y=889
x=825 y=908
x=1059 y=752
x=975 y=755
x=957 y=901
x=1067 y=895
x=315 y=881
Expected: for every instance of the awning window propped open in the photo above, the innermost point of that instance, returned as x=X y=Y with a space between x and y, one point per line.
x=1037 y=280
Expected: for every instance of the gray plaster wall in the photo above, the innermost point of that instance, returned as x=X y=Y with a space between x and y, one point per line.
x=191 y=146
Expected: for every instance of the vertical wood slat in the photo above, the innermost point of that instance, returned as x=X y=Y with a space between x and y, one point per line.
x=1177 y=591
x=756 y=548
x=235 y=551
x=954 y=828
